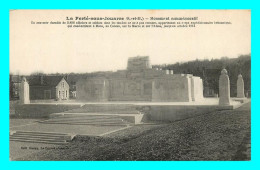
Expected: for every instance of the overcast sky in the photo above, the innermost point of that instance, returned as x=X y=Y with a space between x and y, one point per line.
x=56 y=48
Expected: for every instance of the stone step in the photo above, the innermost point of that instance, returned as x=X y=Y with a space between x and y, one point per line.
x=121 y=108
x=78 y=119
x=40 y=137
x=84 y=118
x=132 y=118
x=90 y=123
x=37 y=136
x=39 y=141
x=47 y=138
x=104 y=112
x=90 y=115
x=43 y=133
x=97 y=120
x=84 y=121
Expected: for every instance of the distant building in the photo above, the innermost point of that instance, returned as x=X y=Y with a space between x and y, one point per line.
x=73 y=92
x=48 y=87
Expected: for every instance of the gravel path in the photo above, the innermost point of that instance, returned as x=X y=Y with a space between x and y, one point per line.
x=220 y=135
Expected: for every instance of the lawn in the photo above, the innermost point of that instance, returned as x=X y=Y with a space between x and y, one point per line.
x=219 y=135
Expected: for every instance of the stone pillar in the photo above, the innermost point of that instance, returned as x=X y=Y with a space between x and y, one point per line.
x=167 y=71
x=240 y=87
x=224 y=89
x=171 y=71
x=24 y=92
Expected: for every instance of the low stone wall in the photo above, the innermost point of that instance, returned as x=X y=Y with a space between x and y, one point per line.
x=105 y=108
x=173 y=113
x=12 y=105
x=44 y=101
x=151 y=112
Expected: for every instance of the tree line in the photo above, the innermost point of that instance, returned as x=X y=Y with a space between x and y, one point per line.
x=209 y=71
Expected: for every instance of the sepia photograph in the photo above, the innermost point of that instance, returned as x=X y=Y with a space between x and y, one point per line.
x=130 y=85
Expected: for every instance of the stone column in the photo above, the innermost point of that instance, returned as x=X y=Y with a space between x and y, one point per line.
x=167 y=71
x=171 y=71
x=224 y=89
x=240 y=87
x=24 y=92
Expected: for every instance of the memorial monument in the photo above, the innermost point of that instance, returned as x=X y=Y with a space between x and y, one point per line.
x=24 y=92
x=141 y=83
x=224 y=89
x=240 y=87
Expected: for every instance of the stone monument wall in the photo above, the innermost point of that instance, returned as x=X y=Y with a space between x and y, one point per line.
x=196 y=88
x=93 y=90
x=177 y=89
x=130 y=90
x=141 y=83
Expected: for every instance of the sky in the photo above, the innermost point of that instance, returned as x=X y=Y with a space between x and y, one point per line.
x=58 y=49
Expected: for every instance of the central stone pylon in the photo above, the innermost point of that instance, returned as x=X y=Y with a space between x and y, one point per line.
x=140 y=82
